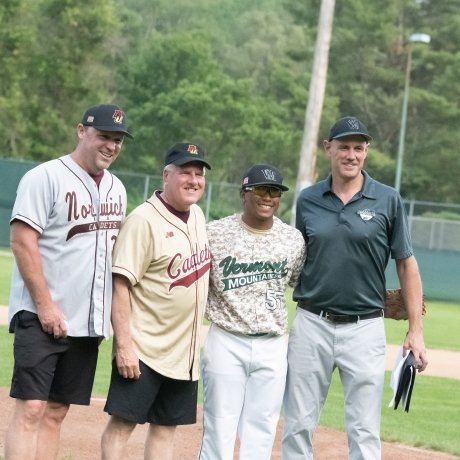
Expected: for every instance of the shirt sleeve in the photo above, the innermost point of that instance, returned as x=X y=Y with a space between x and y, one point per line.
x=134 y=249
x=400 y=238
x=34 y=199
x=299 y=260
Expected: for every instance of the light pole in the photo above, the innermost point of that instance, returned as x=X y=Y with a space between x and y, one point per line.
x=414 y=38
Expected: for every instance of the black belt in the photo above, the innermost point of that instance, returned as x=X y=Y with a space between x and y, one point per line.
x=334 y=318
x=244 y=334
x=258 y=334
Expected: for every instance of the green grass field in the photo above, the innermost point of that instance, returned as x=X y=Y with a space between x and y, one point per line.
x=6 y=264
x=434 y=417
x=432 y=422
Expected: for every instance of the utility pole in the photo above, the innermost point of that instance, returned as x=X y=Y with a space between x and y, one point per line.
x=414 y=38
x=306 y=174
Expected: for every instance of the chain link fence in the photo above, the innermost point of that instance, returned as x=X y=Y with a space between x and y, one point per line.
x=435 y=227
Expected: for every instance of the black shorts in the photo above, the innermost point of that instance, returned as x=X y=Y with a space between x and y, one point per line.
x=153 y=398
x=49 y=369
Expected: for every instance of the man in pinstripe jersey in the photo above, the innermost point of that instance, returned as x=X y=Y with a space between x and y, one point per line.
x=67 y=214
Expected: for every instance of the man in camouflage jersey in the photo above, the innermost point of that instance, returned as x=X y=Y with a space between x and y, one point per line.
x=255 y=256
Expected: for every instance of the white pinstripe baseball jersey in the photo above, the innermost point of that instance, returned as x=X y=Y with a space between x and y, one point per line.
x=78 y=224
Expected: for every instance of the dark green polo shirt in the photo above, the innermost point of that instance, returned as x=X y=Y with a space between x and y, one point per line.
x=348 y=246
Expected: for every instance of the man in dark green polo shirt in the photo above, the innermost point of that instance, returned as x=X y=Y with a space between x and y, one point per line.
x=352 y=224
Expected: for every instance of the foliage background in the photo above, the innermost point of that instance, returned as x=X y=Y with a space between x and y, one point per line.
x=233 y=75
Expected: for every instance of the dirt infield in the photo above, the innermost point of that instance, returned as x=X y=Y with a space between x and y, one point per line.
x=82 y=429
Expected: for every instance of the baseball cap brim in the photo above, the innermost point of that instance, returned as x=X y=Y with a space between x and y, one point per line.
x=351 y=133
x=112 y=129
x=184 y=161
x=268 y=184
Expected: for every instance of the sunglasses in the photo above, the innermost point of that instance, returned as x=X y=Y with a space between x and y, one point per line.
x=263 y=190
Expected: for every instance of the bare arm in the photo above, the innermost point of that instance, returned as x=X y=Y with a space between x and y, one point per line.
x=411 y=285
x=127 y=360
x=24 y=244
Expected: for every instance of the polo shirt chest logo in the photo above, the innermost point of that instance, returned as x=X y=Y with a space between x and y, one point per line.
x=366 y=214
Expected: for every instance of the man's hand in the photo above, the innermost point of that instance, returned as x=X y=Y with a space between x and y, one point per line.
x=53 y=321
x=127 y=363
x=414 y=342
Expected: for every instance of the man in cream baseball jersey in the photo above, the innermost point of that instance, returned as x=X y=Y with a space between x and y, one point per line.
x=65 y=219
x=255 y=256
x=161 y=268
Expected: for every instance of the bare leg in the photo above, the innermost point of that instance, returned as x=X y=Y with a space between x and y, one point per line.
x=159 y=443
x=50 y=430
x=22 y=434
x=115 y=438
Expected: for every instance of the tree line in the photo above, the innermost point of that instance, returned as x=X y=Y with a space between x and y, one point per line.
x=233 y=75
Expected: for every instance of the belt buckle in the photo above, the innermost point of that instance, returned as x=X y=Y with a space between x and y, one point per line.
x=337 y=319
x=328 y=316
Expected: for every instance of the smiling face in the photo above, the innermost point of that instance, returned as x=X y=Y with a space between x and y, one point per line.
x=258 y=210
x=347 y=157
x=96 y=150
x=183 y=185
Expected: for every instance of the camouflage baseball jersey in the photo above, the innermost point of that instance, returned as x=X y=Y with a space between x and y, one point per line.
x=250 y=272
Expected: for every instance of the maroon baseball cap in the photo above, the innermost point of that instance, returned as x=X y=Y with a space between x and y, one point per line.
x=106 y=117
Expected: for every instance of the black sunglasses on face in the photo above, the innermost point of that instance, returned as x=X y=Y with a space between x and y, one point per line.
x=261 y=190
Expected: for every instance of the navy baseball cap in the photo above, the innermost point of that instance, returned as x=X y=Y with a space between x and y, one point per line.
x=348 y=126
x=263 y=175
x=183 y=152
x=106 y=117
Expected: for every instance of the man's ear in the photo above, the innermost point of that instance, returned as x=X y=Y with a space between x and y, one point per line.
x=366 y=150
x=326 y=146
x=80 y=130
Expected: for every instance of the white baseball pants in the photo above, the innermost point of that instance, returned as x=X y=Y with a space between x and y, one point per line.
x=243 y=385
